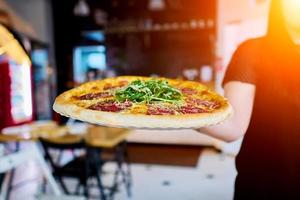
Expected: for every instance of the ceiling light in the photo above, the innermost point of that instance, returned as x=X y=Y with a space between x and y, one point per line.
x=156 y=5
x=81 y=9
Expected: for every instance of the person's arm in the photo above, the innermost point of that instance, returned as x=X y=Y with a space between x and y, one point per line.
x=241 y=97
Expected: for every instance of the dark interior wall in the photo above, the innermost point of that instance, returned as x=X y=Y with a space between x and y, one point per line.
x=175 y=9
x=67 y=35
x=141 y=53
x=165 y=53
x=64 y=37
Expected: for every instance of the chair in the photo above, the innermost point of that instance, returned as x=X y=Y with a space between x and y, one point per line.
x=75 y=168
x=79 y=167
x=101 y=145
x=13 y=160
x=111 y=142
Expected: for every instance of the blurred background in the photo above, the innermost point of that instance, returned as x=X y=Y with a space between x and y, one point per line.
x=50 y=46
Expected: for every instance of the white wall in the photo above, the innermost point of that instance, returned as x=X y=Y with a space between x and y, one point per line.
x=38 y=14
x=238 y=20
x=230 y=11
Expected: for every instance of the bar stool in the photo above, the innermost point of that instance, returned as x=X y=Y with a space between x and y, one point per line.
x=109 y=145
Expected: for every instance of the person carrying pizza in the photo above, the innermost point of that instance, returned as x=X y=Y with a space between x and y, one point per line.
x=262 y=84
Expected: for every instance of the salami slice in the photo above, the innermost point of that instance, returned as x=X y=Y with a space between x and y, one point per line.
x=208 y=104
x=110 y=106
x=205 y=104
x=156 y=110
x=191 y=110
x=92 y=96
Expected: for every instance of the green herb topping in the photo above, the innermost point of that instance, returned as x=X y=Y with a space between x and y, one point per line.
x=149 y=91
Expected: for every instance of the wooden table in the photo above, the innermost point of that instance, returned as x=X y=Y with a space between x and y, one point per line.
x=96 y=139
x=94 y=136
x=30 y=132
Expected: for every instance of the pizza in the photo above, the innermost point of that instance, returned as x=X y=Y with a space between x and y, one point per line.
x=144 y=102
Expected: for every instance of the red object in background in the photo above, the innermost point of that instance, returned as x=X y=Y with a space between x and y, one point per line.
x=16 y=106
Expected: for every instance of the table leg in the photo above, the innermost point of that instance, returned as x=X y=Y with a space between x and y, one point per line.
x=122 y=159
x=14 y=160
x=10 y=183
x=46 y=170
x=12 y=174
x=95 y=165
x=3 y=188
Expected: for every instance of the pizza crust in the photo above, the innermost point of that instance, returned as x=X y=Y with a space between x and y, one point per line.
x=144 y=121
x=63 y=106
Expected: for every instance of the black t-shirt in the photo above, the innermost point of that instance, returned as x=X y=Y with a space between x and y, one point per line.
x=269 y=159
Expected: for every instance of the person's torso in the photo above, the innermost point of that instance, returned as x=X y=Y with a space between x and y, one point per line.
x=272 y=142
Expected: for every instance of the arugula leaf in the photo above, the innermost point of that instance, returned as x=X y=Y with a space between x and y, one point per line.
x=149 y=91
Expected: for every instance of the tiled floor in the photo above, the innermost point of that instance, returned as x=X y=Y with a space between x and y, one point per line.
x=213 y=179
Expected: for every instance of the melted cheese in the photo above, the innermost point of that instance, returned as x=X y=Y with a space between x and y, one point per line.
x=137 y=108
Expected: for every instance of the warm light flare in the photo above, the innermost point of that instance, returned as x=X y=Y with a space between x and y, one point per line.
x=292 y=3
x=291 y=11
x=10 y=46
